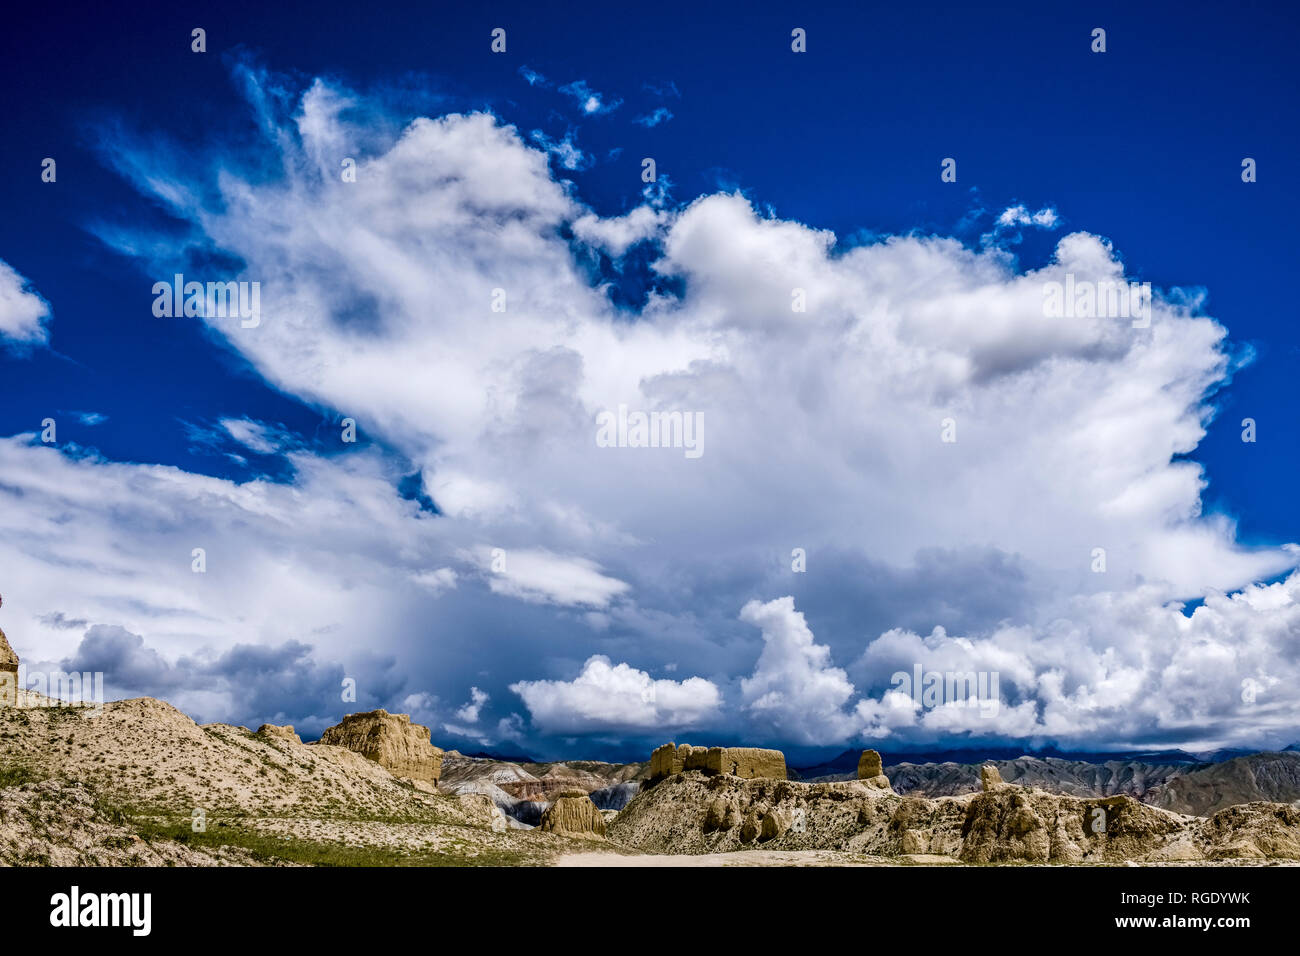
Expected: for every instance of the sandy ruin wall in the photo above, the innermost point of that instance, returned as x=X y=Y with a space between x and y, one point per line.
x=747 y=762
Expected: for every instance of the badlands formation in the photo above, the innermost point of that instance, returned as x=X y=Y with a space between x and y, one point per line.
x=140 y=783
x=701 y=813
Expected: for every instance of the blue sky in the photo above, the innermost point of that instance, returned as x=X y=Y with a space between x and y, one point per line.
x=1140 y=147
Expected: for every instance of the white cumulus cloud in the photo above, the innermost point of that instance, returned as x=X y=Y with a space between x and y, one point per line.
x=24 y=315
x=613 y=697
x=826 y=431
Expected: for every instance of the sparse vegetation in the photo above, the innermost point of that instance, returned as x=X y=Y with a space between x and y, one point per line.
x=133 y=776
x=16 y=774
x=275 y=849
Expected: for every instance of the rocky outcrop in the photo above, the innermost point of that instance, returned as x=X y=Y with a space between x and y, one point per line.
x=748 y=762
x=8 y=673
x=1014 y=824
x=692 y=813
x=1255 y=831
x=280 y=733
x=483 y=811
x=391 y=741
x=775 y=824
x=871 y=770
x=870 y=765
x=990 y=778
x=573 y=816
x=8 y=659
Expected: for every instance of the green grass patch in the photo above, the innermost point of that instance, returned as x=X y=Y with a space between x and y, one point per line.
x=268 y=848
x=17 y=774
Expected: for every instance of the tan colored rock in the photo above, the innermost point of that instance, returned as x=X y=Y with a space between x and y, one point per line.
x=8 y=674
x=871 y=771
x=284 y=733
x=573 y=816
x=716 y=816
x=912 y=813
x=1018 y=824
x=870 y=765
x=913 y=843
x=1009 y=824
x=391 y=741
x=1253 y=831
x=775 y=824
x=8 y=659
x=482 y=811
x=990 y=779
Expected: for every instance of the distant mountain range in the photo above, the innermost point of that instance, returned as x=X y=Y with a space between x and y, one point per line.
x=1196 y=784
x=1191 y=783
x=504 y=758
x=847 y=762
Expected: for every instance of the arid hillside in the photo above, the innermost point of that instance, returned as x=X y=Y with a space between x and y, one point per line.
x=144 y=773
x=140 y=783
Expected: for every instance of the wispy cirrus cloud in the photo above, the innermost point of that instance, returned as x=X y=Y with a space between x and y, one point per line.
x=532 y=77
x=566 y=151
x=591 y=102
x=656 y=116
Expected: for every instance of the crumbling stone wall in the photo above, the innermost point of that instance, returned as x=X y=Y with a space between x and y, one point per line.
x=748 y=762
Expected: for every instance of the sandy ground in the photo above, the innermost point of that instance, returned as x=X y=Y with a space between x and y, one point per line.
x=829 y=858
x=747 y=858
